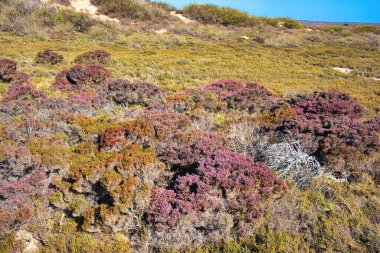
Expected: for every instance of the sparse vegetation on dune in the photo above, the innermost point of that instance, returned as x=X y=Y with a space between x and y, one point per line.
x=123 y=140
x=305 y=68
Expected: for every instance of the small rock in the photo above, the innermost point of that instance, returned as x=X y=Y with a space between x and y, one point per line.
x=30 y=244
x=161 y=31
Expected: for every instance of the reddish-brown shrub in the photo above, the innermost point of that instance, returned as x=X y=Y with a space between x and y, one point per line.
x=126 y=92
x=7 y=69
x=208 y=100
x=113 y=138
x=167 y=124
x=12 y=218
x=48 y=57
x=79 y=77
x=140 y=131
x=88 y=75
x=93 y=57
x=225 y=95
x=137 y=131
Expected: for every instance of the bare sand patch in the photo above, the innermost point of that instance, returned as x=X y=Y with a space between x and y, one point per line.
x=87 y=7
x=343 y=70
x=161 y=31
x=373 y=78
x=181 y=17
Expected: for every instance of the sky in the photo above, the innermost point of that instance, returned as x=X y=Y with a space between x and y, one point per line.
x=367 y=11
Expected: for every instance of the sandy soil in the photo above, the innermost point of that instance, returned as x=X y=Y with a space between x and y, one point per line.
x=30 y=244
x=348 y=71
x=374 y=78
x=181 y=17
x=87 y=7
x=343 y=70
x=161 y=31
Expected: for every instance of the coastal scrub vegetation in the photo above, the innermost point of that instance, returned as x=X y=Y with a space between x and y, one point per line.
x=126 y=160
x=219 y=137
x=213 y=14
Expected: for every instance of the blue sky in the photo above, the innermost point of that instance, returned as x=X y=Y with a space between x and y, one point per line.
x=317 y=10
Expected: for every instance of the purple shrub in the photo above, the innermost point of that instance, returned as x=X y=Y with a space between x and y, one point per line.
x=61 y=82
x=374 y=123
x=18 y=91
x=332 y=103
x=82 y=103
x=162 y=211
x=223 y=182
x=16 y=204
x=126 y=92
x=7 y=69
x=22 y=181
x=328 y=123
x=81 y=78
x=224 y=88
x=192 y=194
x=21 y=98
x=21 y=77
x=236 y=173
x=252 y=98
x=189 y=147
x=30 y=185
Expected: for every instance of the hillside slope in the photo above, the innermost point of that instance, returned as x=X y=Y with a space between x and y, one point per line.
x=209 y=137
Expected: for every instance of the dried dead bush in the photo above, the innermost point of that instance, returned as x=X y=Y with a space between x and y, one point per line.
x=290 y=162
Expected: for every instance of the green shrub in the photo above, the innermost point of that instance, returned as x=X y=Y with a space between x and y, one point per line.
x=162 y=5
x=332 y=28
x=367 y=29
x=213 y=14
x=124 y=8
x=292 y=24
x=80 y=22
x=8 y=244
x=283 y=40
x=80 y=242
